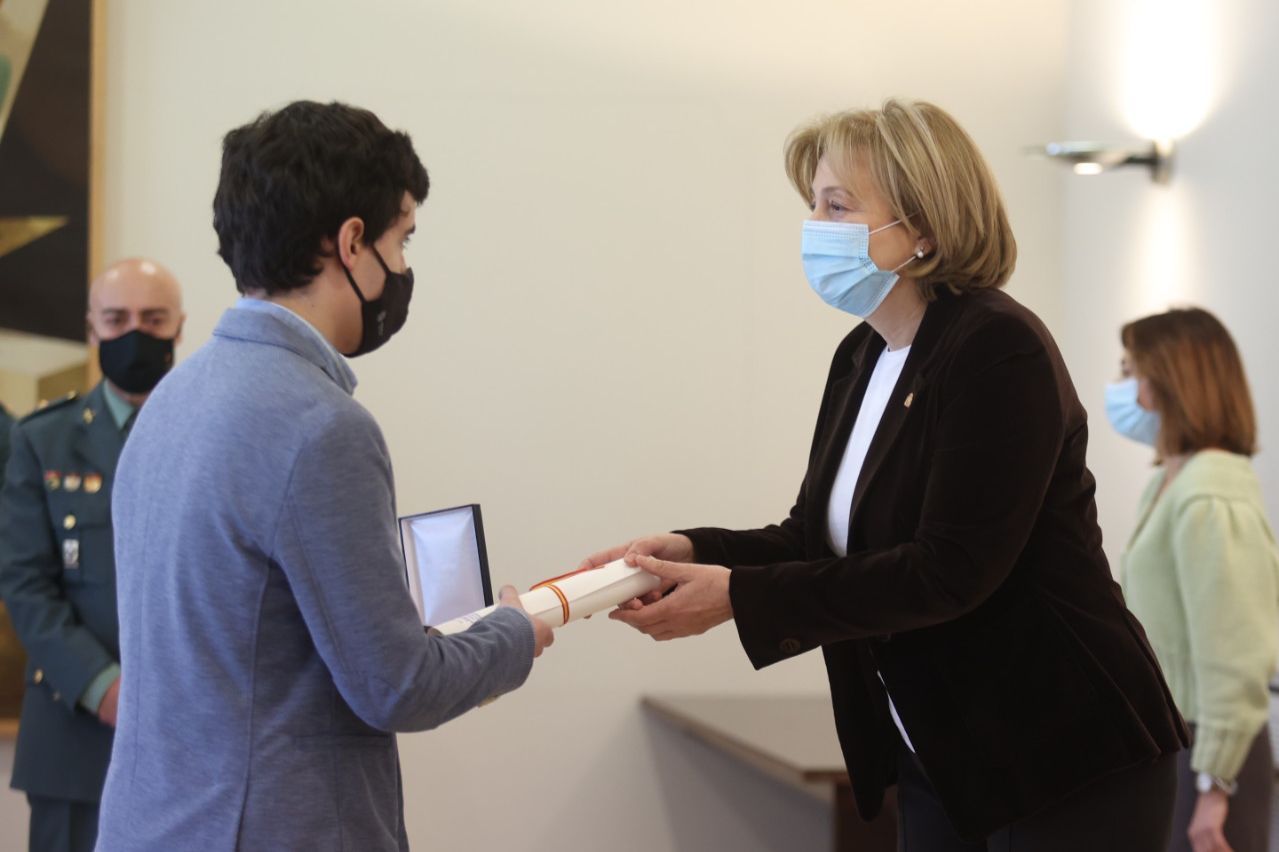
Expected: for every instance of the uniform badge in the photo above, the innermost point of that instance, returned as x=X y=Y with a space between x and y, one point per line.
x=52 y=480
x=71 y=553
x=88 y=415
x=92 y=483
x=71 y=482
x=68 y=523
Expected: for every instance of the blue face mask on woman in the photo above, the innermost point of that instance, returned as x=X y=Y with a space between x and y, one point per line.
x=1126 y=414
x=839 y=269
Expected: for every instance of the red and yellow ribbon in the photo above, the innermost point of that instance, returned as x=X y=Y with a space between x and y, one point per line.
x=550 y=584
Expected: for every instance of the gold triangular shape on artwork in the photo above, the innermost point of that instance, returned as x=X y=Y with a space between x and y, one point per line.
x=17 y=231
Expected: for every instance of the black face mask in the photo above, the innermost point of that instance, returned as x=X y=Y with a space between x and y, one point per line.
x=385 y=315
x=135 y=362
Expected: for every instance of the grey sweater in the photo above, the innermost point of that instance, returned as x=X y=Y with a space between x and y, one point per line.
x=268 y=644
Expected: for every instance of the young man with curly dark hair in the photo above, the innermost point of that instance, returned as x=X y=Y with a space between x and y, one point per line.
x=269 y=647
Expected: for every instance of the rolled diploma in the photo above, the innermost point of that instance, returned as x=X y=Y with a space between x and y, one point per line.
x=587 y=593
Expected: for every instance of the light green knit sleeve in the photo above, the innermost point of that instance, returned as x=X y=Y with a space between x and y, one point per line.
x=1226 y=566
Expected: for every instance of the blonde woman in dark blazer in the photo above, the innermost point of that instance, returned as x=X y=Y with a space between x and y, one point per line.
x=943 y=551
x=1201 y=570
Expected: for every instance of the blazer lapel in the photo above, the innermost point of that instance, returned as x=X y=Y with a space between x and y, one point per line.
x=910 y=385
x=848 y=394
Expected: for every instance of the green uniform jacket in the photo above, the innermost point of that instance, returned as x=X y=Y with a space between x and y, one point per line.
x=57 y=578
x=6 y=423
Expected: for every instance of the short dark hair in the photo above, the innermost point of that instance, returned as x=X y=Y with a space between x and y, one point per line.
x=292 y=177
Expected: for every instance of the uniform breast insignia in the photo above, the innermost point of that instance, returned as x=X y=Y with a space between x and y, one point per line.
x=52 y=480
x=88 y=415
x=71 y=482
x=68 y=523
x=92 y=483
x=71 y=554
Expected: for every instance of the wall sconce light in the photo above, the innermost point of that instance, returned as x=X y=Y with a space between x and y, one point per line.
x=1093 y=158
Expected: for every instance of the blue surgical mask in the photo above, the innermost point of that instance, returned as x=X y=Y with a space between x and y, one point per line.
x=1127 y=415
x=838 y=265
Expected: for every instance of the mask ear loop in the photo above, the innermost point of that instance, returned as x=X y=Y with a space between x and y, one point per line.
x=380 y=261
x=918 y=255
x=919 y=249
x=884 y=227
x=351 y=278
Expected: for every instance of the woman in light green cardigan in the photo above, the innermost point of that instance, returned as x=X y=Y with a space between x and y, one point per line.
x=1201 y=571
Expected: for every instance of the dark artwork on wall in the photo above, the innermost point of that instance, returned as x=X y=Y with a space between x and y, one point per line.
x=46 y=92
x=13 y=661
x=44 y=166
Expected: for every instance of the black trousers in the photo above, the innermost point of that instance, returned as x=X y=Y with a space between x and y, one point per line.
x=62 y=826
x=1247 y=826
x=1129 y=811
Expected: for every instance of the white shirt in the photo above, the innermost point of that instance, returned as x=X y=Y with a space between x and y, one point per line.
x=888 y=370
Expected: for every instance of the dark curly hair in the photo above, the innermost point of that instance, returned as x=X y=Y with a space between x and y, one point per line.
x=292 y=177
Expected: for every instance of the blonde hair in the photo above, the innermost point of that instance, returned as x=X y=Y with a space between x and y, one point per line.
x=934 y=178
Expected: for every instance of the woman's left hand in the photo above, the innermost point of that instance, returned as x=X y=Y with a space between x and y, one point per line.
x=698 y=602
x=1206 y=824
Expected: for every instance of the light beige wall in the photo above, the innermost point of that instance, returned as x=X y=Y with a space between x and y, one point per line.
x=1200 y=71
x=611 y=333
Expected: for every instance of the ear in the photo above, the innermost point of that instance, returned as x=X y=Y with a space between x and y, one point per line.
x=350 y=241
x=92 y=333
x=923 y=247
x=182 y=321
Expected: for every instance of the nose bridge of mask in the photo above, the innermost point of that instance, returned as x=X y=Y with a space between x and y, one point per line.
x=843 y=239
x=849 y=240
x=839 y=239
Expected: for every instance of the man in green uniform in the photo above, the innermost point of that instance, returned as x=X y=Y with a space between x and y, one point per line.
x=57 y=568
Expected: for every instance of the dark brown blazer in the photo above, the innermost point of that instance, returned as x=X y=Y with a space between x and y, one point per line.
x=975 y=582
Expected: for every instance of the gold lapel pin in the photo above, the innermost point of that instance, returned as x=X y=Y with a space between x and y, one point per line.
x=88 y=415
x=910 y=397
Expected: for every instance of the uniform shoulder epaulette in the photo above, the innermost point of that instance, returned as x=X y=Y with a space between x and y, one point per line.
x=47 y=405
